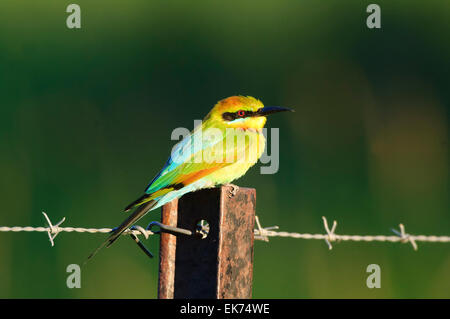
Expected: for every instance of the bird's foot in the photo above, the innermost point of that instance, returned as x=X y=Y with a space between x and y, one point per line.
x=233 y=191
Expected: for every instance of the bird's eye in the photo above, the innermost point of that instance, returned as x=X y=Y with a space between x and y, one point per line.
x=241 y=113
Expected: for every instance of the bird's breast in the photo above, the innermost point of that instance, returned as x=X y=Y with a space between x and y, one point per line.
x=248 y=147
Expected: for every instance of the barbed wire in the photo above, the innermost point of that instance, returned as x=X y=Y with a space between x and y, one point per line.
x=261 y=233
x=331 y=236
x=54 y=230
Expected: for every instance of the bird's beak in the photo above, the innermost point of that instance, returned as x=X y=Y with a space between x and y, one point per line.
x=272 y=109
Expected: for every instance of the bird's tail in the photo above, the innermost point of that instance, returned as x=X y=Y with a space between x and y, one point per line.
x=133 y=218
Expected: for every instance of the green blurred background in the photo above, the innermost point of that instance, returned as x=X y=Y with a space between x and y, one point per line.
x=86 y=117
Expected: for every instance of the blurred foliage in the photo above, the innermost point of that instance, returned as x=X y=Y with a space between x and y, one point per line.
x=86 y=117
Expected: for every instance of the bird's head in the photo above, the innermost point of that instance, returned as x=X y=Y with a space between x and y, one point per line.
x=243 y=112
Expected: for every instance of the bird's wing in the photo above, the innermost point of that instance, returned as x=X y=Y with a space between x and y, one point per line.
x=182 y=153
x=187 y=164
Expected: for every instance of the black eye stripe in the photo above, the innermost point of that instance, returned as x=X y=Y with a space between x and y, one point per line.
x=231 y=116
x=228 y=116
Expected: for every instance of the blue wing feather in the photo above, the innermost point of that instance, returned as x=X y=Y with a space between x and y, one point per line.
x=182 y=153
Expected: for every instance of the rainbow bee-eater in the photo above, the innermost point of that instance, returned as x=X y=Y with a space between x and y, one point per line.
x=221 y=149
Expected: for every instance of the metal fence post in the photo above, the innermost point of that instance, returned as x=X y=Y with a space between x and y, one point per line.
x=167 y=250
x=218 y=266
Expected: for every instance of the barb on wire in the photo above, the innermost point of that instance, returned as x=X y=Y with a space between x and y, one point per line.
x=261 y=233
x=138 y=242
x=53 y=231
x=331 y=235
x=405 y=237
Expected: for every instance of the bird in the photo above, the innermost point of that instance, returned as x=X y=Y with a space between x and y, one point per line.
x=218 y=151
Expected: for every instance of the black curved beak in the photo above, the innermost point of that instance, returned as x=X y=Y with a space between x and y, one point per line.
x=271 y=109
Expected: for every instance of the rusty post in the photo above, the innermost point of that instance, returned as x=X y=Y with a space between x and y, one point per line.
x=167 y=252
x=220 y=265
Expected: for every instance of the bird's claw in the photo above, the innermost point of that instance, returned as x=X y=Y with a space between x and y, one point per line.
x=233 y=191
